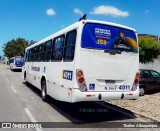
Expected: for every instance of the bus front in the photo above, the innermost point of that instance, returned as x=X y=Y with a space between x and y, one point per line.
x=18 y=62
x=108 y=63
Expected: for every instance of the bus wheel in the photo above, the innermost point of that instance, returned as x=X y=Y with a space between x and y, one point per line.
x=25 y=79
x=25 y=76
x=44 y=91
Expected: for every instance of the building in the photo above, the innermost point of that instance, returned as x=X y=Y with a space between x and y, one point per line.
x=4 y=60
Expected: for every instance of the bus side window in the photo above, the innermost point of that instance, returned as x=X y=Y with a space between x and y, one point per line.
x=32 y=53
x=47 y=51
x=27 y=55
x=11 y=60
x=57 y=48
x=70 y=46
x=40 y=52
x=30 y=56
x=35 y=53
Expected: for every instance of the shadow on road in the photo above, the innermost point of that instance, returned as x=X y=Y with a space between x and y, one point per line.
x=15 y=70
x=85 y=112
x=153 y=92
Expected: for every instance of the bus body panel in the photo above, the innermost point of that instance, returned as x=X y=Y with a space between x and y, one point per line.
x=54 y=82
x=119 y=68
x=100 y=69
x=57 y=86
x=78 y=96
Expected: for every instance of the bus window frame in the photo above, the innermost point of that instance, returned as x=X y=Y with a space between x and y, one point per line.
x=47 y=51
x=61 y=48
x=70 y=46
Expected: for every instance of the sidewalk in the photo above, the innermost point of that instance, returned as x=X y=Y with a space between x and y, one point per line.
x=147 y=106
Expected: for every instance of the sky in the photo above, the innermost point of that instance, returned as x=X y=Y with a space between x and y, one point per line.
x=37 y=19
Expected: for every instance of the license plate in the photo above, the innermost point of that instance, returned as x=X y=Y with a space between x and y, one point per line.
x=118 y=88
x=110 y=88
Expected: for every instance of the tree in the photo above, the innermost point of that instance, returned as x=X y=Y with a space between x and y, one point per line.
x=32 y=42
x=15 y=47
x=149 y=49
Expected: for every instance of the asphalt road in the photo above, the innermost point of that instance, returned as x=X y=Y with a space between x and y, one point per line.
x=21 y=103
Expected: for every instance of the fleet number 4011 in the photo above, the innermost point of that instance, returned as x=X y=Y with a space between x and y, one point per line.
x=121 y=87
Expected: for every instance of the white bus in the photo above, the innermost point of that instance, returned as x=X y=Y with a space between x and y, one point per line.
x=88 y=61
x=16 y=62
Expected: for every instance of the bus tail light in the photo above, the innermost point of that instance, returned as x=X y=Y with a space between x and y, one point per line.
x=136 y=82
x=79 y=73
x=83 y=22
x=80 y=80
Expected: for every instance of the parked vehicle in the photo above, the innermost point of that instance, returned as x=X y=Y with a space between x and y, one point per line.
x=149 y=80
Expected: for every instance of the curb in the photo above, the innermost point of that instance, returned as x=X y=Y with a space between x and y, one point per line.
x=126 y=110
x=145 y=116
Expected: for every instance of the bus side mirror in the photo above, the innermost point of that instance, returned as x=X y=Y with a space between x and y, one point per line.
x=22 y=54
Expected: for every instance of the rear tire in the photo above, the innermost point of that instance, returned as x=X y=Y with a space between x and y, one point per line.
x=141 y=91
x=25 y=76
x=44 y=91
x=26 y=83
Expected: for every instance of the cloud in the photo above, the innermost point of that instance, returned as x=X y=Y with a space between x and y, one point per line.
x=77 y=11
x=50 y=12
x=146 y=11
x=109 y=10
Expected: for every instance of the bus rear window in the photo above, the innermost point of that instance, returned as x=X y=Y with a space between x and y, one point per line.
x=106 y=37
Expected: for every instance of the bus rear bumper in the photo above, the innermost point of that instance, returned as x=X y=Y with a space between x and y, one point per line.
x=15 y=67
x=78 y=96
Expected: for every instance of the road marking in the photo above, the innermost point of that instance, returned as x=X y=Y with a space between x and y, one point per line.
x=14 y=89
x=30 y=115
x=31 y=118
x=120 y=111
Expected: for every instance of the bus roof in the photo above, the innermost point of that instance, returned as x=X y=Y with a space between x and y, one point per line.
x=75 y=25
x=15 y=56
x=112 y=24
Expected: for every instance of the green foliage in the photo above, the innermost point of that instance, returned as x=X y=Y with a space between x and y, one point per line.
x=149 y=49
x=32 y=42
x=15 y=47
